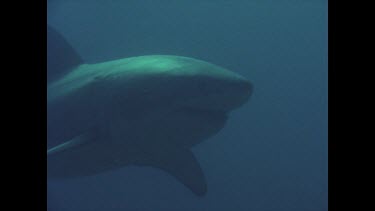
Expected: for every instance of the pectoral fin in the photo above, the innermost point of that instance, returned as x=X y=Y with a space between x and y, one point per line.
x=183 y=165
x=76 y=141
x=86 y=154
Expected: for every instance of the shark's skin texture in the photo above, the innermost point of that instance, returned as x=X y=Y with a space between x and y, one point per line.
x=146 y=110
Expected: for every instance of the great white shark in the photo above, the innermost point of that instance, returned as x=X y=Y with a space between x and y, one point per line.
x=145 y=110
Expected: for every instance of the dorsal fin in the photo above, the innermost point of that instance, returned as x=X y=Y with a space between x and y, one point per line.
x=61 y=57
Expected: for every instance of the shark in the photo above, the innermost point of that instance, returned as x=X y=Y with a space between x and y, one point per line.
x=147 y=110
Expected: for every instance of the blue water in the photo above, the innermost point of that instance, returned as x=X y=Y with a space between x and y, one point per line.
x=272 y=154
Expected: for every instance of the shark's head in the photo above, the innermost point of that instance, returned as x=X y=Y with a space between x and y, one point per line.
x=213 y=88
x=178 y=81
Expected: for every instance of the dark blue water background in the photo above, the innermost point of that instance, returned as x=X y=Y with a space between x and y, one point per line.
x=272 y=155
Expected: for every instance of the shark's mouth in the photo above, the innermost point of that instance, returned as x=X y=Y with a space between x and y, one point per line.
x=197 y=124
x=206 y=117
x=212 y=114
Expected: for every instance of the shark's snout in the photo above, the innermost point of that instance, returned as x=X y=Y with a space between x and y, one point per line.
x=220 y=95
x=240 y=92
